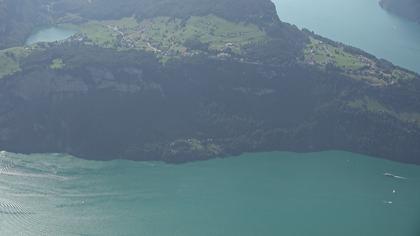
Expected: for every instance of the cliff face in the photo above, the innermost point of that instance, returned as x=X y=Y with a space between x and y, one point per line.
x=128 y=105
x=409 y=9
x=176 y=87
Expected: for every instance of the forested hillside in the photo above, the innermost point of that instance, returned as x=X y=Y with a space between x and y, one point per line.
x=183 y=80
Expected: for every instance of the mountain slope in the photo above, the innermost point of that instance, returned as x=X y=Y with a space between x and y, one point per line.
x=180 y=83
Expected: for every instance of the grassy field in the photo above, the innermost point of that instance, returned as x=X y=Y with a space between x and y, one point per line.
x=358 y=67
x=320 y=53
x=167 y=36
x=219 y=32
x=164 y=36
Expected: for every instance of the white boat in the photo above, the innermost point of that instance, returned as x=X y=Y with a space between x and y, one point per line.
x=394 y=176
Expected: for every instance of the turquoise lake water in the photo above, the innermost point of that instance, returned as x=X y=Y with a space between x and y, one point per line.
x=51 y=34
x=360 y=23
x=318 y=194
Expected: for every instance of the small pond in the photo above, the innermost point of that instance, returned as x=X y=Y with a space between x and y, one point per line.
x=50 y=34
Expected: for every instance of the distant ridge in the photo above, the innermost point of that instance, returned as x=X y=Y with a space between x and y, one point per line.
x=409 y=9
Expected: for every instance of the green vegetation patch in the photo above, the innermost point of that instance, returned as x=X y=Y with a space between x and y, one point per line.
x=194 y=147
x=9 y=60
x=220 y=33
x=57 y=64
x=371 y=105
x=398 y=74
x=321 y=53
x=172 y=36
x=411 y=117
x=356 y=66
x=100 y=34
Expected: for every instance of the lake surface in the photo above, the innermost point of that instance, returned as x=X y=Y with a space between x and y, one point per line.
x=360 y=23
x=51 y=34
x=318 y=194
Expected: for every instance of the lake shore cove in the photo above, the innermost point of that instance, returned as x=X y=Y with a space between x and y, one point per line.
x=181 y=85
